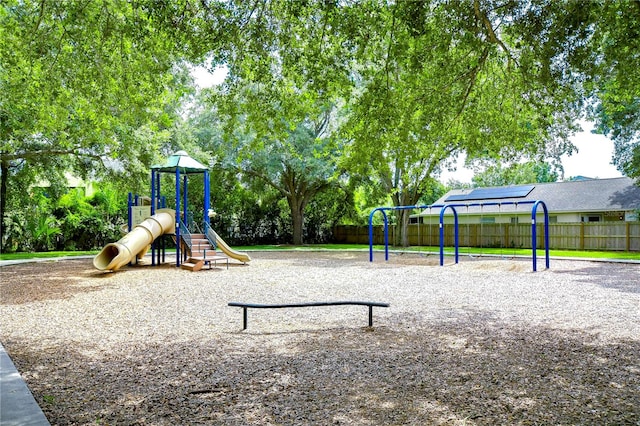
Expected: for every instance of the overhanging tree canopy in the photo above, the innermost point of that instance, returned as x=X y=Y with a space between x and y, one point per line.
x=77 y=82
x=82 y=82
x=438 y=79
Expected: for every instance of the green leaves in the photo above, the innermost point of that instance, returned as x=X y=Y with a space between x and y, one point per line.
x=79 y=73
x=387 y=91
x=514 y=174
x=77 y=81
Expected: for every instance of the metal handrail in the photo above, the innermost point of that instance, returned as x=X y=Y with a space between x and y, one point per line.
x=185 y=234
x=211 y=235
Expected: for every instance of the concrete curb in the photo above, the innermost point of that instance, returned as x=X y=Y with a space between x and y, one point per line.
x=18 y=407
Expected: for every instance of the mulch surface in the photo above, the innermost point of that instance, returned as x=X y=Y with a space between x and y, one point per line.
x=464 y=366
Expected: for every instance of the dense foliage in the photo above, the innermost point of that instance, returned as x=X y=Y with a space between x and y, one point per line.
x=73 y=221
x=328 y=108
x=80 y=84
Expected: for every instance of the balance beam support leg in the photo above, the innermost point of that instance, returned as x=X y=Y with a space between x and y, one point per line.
x=244 y=318
x=370 y=315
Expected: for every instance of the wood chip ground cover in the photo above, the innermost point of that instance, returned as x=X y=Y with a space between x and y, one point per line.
x=480 y=343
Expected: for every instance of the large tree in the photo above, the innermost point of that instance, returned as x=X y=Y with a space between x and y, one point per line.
x=614 y=78
x=283 y=139
x=279 y=101
x=440 y=78
x=77 y=82
x=596 y=44
x=88 y=83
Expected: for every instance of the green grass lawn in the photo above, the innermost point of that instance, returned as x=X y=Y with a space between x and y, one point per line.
x=45 y=254
x=620 y=255
x=616 y=255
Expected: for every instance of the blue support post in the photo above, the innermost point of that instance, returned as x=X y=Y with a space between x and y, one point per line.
x=386 y=233
x=130 y=211
x=159 y=204
x=386 y=236
x=153 y=192
x=455 y=221
x=153 y=211
x=386 y=227
x=185 y=211
x=534 y=239
x=177 y=217
x=207 y=196
x=371 y=234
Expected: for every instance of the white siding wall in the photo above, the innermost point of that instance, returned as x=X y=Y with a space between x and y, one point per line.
x=568 y=217
x=506 y=218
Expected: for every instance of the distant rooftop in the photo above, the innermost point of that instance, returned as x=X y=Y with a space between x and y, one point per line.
x=569 y=196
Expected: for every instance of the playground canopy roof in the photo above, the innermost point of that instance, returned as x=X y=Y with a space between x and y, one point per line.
x=182 y=161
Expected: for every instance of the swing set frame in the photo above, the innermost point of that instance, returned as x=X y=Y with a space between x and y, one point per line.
x=443 y=209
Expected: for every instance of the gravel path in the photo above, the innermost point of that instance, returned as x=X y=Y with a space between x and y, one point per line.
x=481 y=342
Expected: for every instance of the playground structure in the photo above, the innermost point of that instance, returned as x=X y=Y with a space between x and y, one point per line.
x=444 y=207
x=147 y=223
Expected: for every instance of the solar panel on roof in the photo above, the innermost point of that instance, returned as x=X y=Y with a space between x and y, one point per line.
x=457 y=197
x=493 y=193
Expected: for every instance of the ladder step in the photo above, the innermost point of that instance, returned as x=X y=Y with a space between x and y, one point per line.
x=201 y=254
x=193 y=264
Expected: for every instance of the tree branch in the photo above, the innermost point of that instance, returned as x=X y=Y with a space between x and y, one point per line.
x=264 y=179
x=25 y=155
x=473 y=76
x=40 y=18
x=493 y=38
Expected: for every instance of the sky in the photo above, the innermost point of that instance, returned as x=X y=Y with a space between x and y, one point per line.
x=592 y=158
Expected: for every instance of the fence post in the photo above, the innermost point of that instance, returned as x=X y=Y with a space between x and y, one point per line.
x=506 y=236
x=628 y=236
x=581 y=236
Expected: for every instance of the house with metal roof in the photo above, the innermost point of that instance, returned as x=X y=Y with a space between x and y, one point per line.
x=588 y=200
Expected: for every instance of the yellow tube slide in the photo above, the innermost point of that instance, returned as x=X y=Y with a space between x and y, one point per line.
x=115 y=255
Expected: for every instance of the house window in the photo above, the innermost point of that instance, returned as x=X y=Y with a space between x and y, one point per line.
x=591 y=218
x=490 y=219
x=553 y=219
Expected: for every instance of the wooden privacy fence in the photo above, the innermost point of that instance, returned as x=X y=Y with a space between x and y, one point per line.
x=617 y=236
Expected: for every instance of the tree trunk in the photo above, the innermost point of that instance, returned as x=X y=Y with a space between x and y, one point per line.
x=298 y=225
x=401 y=234
x=4 y=178
x=404 y=223
x=296 y=205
